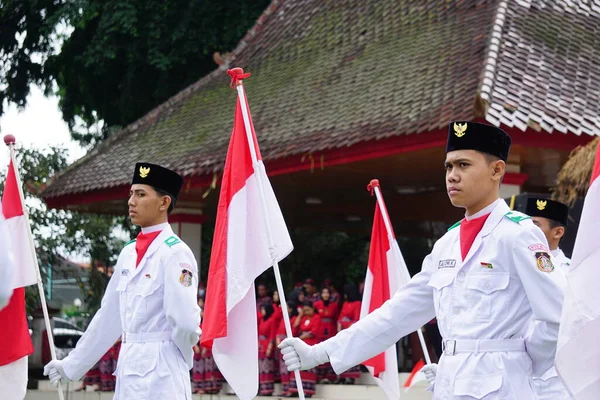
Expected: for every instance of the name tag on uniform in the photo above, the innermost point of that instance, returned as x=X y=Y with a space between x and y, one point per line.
x=447 y=264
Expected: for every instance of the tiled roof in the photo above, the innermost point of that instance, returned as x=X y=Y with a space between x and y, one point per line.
x=544 y=66
x=329 y=74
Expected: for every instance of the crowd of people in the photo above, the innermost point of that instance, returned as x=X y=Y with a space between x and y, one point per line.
x=314 y=317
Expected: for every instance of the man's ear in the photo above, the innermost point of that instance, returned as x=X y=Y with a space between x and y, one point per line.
x=498 y=169
x=165 y=203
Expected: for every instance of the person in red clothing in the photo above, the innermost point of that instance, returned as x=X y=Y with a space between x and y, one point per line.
x=206 y=377
x=267 y=328
x=328 y=311
x=349 y=315
x=335 y=295
x=308 y=329
x=284 y=374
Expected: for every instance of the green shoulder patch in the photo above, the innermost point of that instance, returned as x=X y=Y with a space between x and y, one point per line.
x=172 y=241
x=454 y=226
x=516 y=216
x=128 y=243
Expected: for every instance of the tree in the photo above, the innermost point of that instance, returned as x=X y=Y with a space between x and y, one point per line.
x=122 y=58
x=59 y=232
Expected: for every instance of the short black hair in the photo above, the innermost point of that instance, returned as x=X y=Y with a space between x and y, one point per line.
x=161 y=193
x=555 y=224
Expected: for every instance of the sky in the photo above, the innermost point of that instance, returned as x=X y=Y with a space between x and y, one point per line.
x=39 y=125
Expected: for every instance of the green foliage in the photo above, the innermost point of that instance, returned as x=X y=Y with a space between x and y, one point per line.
x=59 y=232
x=122 y=58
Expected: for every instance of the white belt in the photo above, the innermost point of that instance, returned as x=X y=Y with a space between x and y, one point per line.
x=451 y=347
x=146 y=337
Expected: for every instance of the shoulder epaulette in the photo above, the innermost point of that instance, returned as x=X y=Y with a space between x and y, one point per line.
x=455 y=225
x=128 y=243
x=172 y=241
x=516 y=216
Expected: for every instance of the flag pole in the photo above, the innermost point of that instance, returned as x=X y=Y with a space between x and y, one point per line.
x=263 y=203
x=10 y=141
x=374 y=185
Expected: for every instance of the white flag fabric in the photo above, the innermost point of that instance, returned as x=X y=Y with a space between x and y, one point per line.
x=7 y=264
x=578 y=351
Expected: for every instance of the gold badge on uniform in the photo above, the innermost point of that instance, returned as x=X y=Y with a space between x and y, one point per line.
x=186 y=278
x=541 y=204
x=144 y=171
x=460 y=129
x=544 y=263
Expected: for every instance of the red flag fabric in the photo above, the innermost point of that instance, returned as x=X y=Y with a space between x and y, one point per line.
x=240 y=253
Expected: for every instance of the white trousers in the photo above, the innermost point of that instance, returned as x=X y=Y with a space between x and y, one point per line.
x=13 y=379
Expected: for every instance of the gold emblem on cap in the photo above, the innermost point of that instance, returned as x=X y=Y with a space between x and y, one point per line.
x=460 y=129
x=144 y=172
x=541 y=204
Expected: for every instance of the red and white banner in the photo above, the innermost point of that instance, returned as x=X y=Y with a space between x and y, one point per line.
x=578 y=351
x=384 y=278
x=16 y=224
x=240 y=253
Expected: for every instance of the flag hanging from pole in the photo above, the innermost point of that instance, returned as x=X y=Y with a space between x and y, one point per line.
x=578 y=350
x=240 y=253
x=16 y=224
x=384 y=278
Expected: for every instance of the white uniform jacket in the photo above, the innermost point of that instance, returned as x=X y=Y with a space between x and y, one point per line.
x=549 y=386
x=159 y=322
x=484 y=306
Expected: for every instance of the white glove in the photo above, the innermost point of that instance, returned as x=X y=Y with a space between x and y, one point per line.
x=55 y=371
x=430 y=371
x=299 y=355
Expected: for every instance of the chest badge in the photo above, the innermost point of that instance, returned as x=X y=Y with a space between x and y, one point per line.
x=486 y=265
x=446 y=264
x=185 y=278
x=544 y=263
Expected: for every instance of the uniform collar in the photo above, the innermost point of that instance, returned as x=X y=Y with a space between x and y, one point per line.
x=155 y=228
x=486 y=210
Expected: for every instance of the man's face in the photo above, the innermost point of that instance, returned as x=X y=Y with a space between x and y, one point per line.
x=310 y=288
x=553 y=235
x=262 y=291
x=469 y=177
x=146 y=206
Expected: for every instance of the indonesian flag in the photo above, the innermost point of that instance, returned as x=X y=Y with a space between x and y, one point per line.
x=578 y=351
x=384 y=277
x=16 y=224
x=240 y=253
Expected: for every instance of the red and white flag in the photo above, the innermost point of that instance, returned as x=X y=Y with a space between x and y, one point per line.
x=578 y=351
x=384 y=277
x=240 y=253
x=16 y=224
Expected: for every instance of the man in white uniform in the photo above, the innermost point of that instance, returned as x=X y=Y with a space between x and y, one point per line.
x=6 y=264
x=485 y=280
x=150 y=302
x=552 y=218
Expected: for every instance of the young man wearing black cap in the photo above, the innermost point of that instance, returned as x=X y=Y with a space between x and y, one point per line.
x=552 y=218
x=150 y=302
x=484 y=281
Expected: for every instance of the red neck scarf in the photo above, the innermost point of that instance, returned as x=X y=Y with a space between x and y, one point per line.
x=144 y=240
x=468 y=231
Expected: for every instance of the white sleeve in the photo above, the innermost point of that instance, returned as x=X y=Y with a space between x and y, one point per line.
x=100 y=335
x=6 y=264
x=544 y=294
x=408 y=310
x=180 y=300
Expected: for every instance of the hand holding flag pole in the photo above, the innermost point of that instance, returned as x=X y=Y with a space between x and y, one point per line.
x=237 y=75
x=10 y=141
x=374 y=187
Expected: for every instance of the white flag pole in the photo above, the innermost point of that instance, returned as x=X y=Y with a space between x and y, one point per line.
x=263 y=202
x=10 y=142
x=405 y=274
